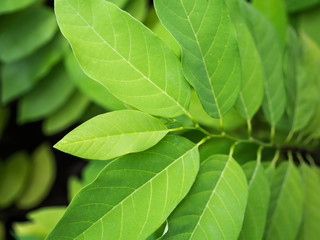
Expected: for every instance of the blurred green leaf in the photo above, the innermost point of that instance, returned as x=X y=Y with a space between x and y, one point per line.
x=74 y=186
x=133 y=195
x=24 y=32
x=138 y=9
x=66 y=115
x=298 y=5
x=15 y=172
x=93 y=89
x=4 y=118
x=20 y=76
x=309 y=22
x=7 y=6
x=46 y=97
x=113 y=134
x=42 y=177
x=2 y=231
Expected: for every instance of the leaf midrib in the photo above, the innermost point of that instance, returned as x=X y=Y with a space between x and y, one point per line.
x=149 y=181
x=127 y=61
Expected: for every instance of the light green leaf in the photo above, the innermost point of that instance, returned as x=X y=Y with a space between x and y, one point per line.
x=94 y=90
x=92 y=170
x=214 y=146
x=258 y=201
x=286 y=204
x=24 y=32
x=133 y=195
x=113 y=134
x=210 y=55
x=138 y=9
x=251 y=93
x=7 y=6
x=298 y=5
x=120 y=3
x=42 y=176
x=74 y=186
x=215 y=206
x=15 y=172
x=276 y=12
x=20 y=76
x=66 y=115
x=309 y=229
x=124 y=56
x=46 y=97
x=42 y=221
x=274 y=102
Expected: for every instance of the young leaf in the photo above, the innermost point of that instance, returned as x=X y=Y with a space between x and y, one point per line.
x=94 y=90
x=24 y=32
x=66 y=115
x=286 y=204
x=124 y=56
x=7 y=6
x=20 y=76
x=274 y=102
x=133 y=195
x=258 y=200
x=46 y=97
x=210 y=56
x=113 y=134
x=15 y=172
x=42 y=176
x=251 y=92
x=309 y=229
x=215 y=206
x=276 y=12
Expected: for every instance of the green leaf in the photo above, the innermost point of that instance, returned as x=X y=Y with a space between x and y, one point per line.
x=231 y=120
x=215 y=206
x=119 y=3
x=7 y=6
x=74 y=186
x=20 y=76
x=276 y=12
x=113 y=134
x=92 y=170
x=67 y=115
x=94 y=90
x=286 y=204
x=42 y=176
x=24 y=32
x=210 y=56
x=309 y=229
x=264 y=33
x=15 y=172
x=138 y=9
x=46 y=97
x=301 y=103
x=214 y=146
x=251 y=92
x=131 y=62
x=258 y=200
x=42 y=221
x=159 y=232
x=2 y=231
x=298 y=5
x=133 y=195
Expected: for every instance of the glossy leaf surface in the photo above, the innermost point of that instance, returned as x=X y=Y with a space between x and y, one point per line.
x=133 y=195
x=20 y=76
x=36 y=25
x=215 y=206
x=210 y=57
x=258 y=201
x=46 y=97
x=286 y=204
x=113 y=134
x=131 y=62
x=274 y=102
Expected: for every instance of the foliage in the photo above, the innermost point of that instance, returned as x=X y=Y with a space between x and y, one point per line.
x=210 y=120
